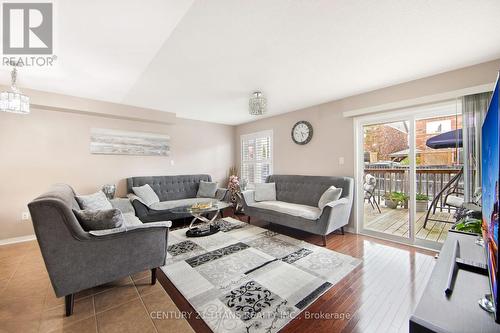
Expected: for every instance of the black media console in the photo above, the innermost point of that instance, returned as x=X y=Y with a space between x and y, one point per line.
x=458 y=312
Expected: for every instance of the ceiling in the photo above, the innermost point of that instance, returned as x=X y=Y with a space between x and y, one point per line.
x=203 y=59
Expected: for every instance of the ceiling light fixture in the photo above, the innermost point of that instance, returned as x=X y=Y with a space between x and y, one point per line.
x=257 y=104
x=13 y=100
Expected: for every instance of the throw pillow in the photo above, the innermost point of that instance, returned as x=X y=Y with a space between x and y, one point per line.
x=96 y=201
x=147 y=194
x=265 y=192
x=331 y=194
x=99 y=219
x=206 y=190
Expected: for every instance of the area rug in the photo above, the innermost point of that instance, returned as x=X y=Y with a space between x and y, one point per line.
x=250 y=279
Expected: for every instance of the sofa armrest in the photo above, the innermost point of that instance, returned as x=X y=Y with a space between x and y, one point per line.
x=248 y=198
x=141 y=210
x=336 y=214
x=125 y=229
x=222 y=194
x=337 y=203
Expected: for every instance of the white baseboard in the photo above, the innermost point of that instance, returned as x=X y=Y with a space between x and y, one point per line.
x=17 y=239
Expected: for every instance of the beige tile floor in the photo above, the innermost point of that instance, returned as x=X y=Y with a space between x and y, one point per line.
x=28 y=303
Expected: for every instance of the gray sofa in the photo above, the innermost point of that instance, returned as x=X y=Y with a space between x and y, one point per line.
x=296 y=204
x=173 y=191
x=78 y=260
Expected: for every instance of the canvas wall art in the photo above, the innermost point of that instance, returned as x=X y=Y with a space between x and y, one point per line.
x=114 y=142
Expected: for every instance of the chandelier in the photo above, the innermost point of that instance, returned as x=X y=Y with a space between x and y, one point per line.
x=13 y=100
x=257 y=104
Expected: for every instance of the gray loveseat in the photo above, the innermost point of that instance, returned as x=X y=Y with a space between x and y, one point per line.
x=173 y=191
x=296 y=204
x=78 y=260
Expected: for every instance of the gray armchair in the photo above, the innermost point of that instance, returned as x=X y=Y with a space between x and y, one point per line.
x=78 y=260
x=297 y=200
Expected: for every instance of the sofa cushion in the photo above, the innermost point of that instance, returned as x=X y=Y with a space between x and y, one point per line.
x=96 y=201
x=130 y=220
x=206 y=189
x=146 y=193
x=454 y=201
x=265 y=192
x=166 y=205
x=99 y=219
x=304 y=211
x=331 y=194
x=123 y=204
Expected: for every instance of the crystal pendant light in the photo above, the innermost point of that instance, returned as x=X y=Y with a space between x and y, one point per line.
x=257 y=104
x=13 y=100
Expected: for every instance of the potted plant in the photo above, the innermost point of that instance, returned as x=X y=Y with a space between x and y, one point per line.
x=394 y=199
x=391 y=200
x=470 y=225
x=403 y=199
x=421 y=202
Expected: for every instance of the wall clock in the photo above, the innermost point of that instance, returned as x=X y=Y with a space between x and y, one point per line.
x=302 y=132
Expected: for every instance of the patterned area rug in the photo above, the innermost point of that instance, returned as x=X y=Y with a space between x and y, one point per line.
x=249 y=279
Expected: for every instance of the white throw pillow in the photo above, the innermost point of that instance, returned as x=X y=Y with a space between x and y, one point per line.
x=147 y=194
x=96 y=201
x=206 y=189
x=265 y=192
x=331 y=194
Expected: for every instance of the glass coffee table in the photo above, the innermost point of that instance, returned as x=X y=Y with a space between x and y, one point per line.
x=209 y=226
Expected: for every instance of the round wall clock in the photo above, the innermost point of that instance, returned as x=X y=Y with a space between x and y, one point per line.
x=302 y=132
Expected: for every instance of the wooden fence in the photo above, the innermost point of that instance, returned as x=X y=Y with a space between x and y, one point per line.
x=430 y=181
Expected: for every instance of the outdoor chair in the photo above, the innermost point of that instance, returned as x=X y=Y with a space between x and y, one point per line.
x=369 y=187
x=451 y=194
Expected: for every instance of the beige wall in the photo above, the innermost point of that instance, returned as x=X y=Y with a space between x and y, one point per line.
x=334 y=135
x=46 y=147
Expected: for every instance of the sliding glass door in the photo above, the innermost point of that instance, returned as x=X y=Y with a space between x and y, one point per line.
x=386 y=175
x=409 y=173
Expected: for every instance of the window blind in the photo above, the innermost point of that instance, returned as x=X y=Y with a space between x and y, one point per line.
x=256 y=156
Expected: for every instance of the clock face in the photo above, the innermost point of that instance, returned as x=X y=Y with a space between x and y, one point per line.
x=302 y=132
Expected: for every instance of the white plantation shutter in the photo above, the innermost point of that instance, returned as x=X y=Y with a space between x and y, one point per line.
x=256 y=156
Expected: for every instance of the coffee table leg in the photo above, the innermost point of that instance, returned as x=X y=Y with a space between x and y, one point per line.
x=204 y=219
x=215 y=216
x=192 y=222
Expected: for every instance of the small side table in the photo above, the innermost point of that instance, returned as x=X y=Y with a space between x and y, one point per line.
x=238 y=207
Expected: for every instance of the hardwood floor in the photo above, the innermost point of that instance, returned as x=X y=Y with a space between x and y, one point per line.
x=378 y=296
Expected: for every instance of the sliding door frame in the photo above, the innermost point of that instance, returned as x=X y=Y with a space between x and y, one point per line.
x=411 y=115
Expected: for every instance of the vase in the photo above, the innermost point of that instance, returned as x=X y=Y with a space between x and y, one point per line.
x=109 y=190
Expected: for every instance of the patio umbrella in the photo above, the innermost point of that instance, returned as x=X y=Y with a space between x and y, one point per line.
x=451 y=139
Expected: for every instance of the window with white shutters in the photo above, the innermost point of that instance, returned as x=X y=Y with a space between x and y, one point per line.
x=256 y=156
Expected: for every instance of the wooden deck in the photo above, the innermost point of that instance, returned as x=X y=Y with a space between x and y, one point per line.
x=395 y=222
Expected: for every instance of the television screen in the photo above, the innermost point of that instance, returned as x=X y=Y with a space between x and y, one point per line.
x=490 y=192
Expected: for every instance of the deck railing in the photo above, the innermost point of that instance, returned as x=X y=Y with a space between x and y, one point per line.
x=429 y=181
